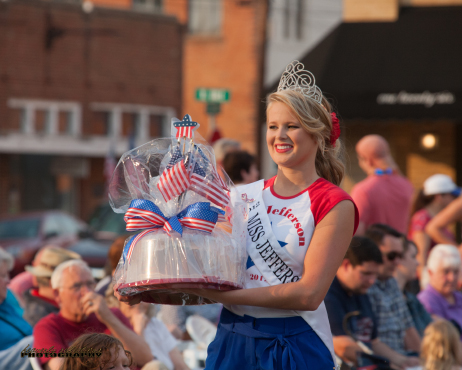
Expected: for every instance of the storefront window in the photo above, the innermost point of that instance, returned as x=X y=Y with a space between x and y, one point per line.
x=151 y=6
x=45 y=116
x=293 y=19
x=205 y=17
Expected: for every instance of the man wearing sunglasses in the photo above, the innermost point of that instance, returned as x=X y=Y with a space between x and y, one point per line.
x=395 y=325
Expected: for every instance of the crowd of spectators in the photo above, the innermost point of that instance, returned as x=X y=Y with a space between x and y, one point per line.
x=59 y=310
x=396 y=294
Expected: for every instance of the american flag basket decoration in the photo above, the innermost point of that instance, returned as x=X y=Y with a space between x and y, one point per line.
x=185 y=218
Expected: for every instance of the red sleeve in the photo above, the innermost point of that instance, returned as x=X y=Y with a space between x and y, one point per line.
x=324 y=196
x=419 y=221
x=122 y=317
x=47 y=335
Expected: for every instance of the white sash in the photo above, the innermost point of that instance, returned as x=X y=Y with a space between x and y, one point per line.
x=274 y=262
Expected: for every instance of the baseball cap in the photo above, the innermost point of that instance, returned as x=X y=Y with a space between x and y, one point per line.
x=50 y=258
x=440 y=184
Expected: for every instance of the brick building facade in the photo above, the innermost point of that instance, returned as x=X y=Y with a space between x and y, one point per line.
x=224 y=49
x=73 y=85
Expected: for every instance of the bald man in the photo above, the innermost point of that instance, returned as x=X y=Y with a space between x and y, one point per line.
x=385 y=196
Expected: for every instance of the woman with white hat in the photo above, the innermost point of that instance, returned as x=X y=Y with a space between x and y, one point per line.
x=438 y=191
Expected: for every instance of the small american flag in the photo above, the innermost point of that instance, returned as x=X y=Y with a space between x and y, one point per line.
x=215 y=173
x=210 y=190
x=176 y=157
x=221 y=181
x=173 y=181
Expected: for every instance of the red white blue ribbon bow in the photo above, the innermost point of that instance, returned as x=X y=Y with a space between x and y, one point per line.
x=144 y=214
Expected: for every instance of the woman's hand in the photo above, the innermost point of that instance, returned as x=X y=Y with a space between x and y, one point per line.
x=131 y=300
x=212 y=294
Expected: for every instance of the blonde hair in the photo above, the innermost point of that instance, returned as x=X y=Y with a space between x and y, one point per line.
x=440 y=346
x=316 y=120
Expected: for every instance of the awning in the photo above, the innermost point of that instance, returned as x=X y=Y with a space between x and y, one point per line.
x=408 y=69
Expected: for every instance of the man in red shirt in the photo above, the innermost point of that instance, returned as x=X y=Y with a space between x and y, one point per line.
x=82 y=311
x=385 y=196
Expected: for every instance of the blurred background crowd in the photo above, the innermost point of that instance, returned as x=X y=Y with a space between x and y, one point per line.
x=82 y=82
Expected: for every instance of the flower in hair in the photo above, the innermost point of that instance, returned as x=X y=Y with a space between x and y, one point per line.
x=335 y=133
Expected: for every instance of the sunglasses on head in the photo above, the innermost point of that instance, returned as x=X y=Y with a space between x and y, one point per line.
x=391 y=256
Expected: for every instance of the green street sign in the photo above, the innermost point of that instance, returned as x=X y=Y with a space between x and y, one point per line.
x=212 y=95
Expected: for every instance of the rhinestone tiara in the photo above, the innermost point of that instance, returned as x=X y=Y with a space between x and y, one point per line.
x=296 y=78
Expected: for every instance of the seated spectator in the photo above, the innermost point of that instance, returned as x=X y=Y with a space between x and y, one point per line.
x=440 y=297
x=41 y=301
x=174 y=317
x=396 y=328
x=347 y=294
x=441 y=348
x=405 y=273
x=15 y=331
x=163 y=345
x=81 y=310
x=113 y=354
x=240 y=167
x=24 y=281
x=13 y=301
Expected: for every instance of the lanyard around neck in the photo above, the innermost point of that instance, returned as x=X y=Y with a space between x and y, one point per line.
x=380 y=172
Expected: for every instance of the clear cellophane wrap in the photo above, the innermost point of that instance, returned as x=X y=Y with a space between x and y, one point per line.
x=161 y=265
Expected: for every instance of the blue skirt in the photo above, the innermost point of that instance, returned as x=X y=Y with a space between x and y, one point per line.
x=283 y=343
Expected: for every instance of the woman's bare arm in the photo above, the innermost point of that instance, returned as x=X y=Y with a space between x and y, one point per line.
x=328 y=246
x=423 y=242
x=435 y=228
